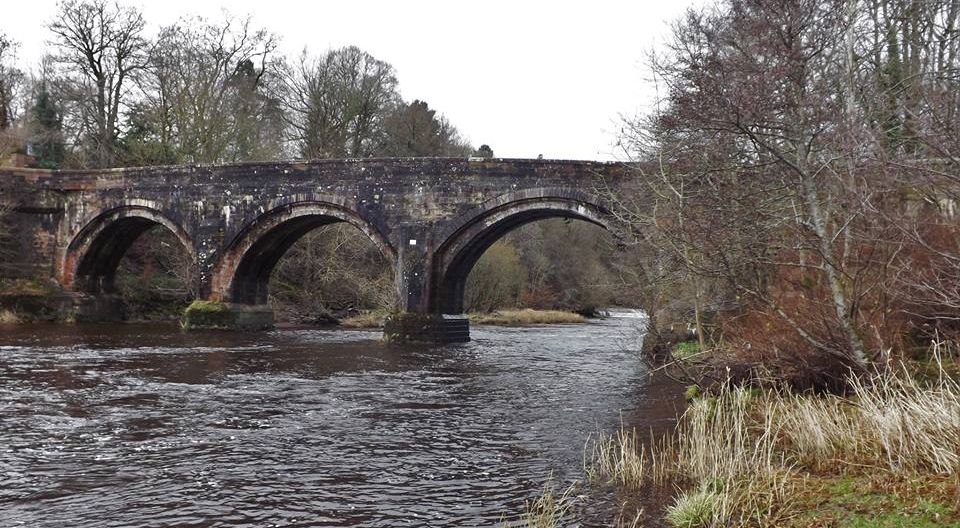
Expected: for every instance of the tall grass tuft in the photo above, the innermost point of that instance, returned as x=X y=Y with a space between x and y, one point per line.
x=619 y=458
x=548 y=510
x=694 y=509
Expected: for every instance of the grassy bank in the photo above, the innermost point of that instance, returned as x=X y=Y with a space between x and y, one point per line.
x=525 y=317
x=887 y=454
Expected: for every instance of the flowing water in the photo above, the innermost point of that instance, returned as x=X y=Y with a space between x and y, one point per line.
x=145 y=425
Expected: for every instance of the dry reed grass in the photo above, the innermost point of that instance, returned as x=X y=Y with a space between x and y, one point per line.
x=892 y=421
x=738 y=455
x=374 y=319
x=9 y=317
x=526 y=316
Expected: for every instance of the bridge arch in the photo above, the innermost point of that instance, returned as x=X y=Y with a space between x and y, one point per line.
x=242 y=273
x=474 y=232
x=91 y=258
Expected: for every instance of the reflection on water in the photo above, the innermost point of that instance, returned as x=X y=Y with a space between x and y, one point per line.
x=146 y=425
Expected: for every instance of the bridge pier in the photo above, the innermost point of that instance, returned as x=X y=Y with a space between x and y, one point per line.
x=418 y=323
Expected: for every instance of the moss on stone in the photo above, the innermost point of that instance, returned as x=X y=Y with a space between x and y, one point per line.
x=211 y=315
x=207 y=307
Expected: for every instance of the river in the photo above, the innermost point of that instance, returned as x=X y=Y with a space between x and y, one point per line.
x=146 y=425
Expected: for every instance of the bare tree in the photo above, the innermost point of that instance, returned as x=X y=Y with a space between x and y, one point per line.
x=802 y=169
x=745 y=175
x=338 y=103
x=10 y=76
x=11 y=80
x=102 y=45
x=496 y=281
x=205 y=94
x=334 y=269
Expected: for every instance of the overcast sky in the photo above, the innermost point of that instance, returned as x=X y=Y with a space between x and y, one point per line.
x=527 y=78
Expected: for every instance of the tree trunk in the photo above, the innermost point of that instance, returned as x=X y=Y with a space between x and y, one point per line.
x=837 y=293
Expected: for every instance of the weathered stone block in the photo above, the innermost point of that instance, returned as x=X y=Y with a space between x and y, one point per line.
x=208 y=315
x=426 y=328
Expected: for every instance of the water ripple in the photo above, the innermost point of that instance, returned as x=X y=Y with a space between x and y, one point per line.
x=147 y=426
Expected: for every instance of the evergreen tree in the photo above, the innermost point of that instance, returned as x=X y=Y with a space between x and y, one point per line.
x=484 y=152
x=415 y=130
x=47 y=142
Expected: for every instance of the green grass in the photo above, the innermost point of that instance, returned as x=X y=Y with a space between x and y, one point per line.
x=871 y=500
x=692 y=392
x=686 y=350
x=550 y=508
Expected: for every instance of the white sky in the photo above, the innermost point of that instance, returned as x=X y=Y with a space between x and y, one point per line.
x=525 y=77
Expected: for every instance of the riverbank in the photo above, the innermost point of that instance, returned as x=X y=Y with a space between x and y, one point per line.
x=524 y=317
x=24 y=301
x=28 y=301
x=887 y=454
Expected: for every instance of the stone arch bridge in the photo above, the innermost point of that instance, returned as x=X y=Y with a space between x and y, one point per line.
x=431 y=217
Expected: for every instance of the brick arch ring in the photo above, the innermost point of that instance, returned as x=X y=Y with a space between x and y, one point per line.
x=242 y=272
x=90 y=260
x=475 y=231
